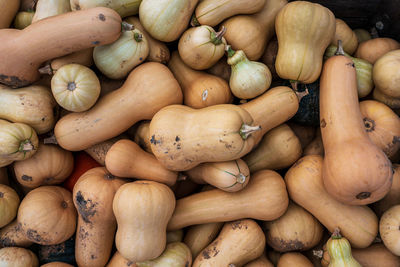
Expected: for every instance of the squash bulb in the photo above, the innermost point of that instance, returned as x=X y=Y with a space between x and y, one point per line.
x=177 y=254
x=248 y=79
x=339 y=250
x=117 y=59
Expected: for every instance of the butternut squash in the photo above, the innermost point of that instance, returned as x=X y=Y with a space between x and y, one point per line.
x=316 y=147
x=304 y=30
x=278 y=149
x=305 y=186
x=48 y=8
x=182 y=137
x=148 y=88
x=12 y=236
x=238 y=243
x=200 y=236
x=32 y=105
x=212 y=12
x=201 y=47
x=230 y=176
x=346 y=35
x=8 y=9
x=23 y=19
x=385 y=75
x=373 y=49
x=9 y=202
x=176 y=254
x=158 y=51
x=93 y=197
x=271 y=109
x=123 y=7
x=393 y=103
x=260 y=262
x=389 y=229
x=166 y=21
x=126 y=159
x=382 y=126
x=50 y=165
x=221 y=69
x=118 y=261
x=96 y=26
x=142 y=210
x=21 y=257
x=264 y=198
x=356 y=171
x=295 y=230
x=251 y=33
x=339 y=250
x=362 y=35
x=294 y=259
x=56 y=264
x=200 y=89
x=392 y=198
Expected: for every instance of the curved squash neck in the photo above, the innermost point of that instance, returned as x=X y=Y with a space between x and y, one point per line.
x=184 y=74
x=266 y=17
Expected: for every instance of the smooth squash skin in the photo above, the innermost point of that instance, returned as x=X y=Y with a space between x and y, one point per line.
x=386 y=78
x=251 y=33
x=199 y=88
x=393 y=103
x=316 y=147
x=238 y=243
x=304 y=30
x=123 y=7
x=48 y=8
x=9 y=9
x=264 y=198
x=117 y=260
x=182 y=137
x=389 y=229
x=212 y=12
x=21 y=257
x=59 y=35
x=166 y=20
x=56 y=264
x=126 y=159
x=294 y=259
x=356 y=171
x=23 y=19
x=93 y=196
x=373 y=49
x=260 y=262
x=305 y=186
x=32 y=105
x=176 y=254
x=148 y=88
x=9 y=202
x=271 y=109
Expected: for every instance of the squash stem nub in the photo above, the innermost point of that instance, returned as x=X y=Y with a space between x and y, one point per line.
x=46 y=69
x=127 y=27
x=229 y=51
x=194 y=22
x=247 y=130
x=339 y=50
x=336 y=234
x=216 y=38
x=26 y=146
x=138 y=37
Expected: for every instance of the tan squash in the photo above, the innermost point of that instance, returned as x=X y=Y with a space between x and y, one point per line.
x=346 y=34
x=56 y=264
x=176 y=254
x=393 y=103
x=50 y=165
x=392 y=198
x=80 y=30
x=166 y=21
x=272 y=108
x=269 y=56
x=294 y=259
x=47 y=215
x=382 y=126
x=99 y=151
x=9 y=202
x=297 y=229
x=251 y=33
x=304 y=30
x=199 y=89
x=21 y=257
x=305 y=186
x=221 y=69
x=158 y=51
x=174 y=236
x=4 y=176
x=182 y=137
x=12 y=236
x=264 y=198
x=18 y=141
x=385 y=75
x=356 y=171
x=260 y=262
x=93 y=197
x=201 y=47
x=373 y=49
x=212 y=12
x=141 y=136
x=118 y=261
x=148 y=88
x=315 y=147
x=23 y=19
x=389 y=229
x=362 y=35
x=339 y=251
x=200 y=236
x=8 y=9
x=123 y=7
x=142 y=210
x=305 y=133
x=126 y=159
x=278 y=149
x=32 y=105
x=48 y=8
x=238 y=243
x=229 y=176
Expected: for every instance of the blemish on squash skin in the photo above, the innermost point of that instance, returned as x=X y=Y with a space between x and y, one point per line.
x=323 y=123
x=287 y=245
x=26 y=178
x=7 y=242
x=238 y=225
x=1 y=194
x=33 y=235
x=154 y=141
x=211 y=252
x=86 y=208
x=96 y=42
x=102 y=17
x=13 y=81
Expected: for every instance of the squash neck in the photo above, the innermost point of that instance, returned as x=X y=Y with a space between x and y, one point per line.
x=234 y=58
x=183 y=73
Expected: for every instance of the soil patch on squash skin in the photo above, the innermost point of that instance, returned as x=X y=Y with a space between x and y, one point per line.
x=211 y=252
x=47 y=252
x=34 y=236
x=7 y=242
x=238 y=225
x=287 y=245
x=13 y=81
x=86 y=207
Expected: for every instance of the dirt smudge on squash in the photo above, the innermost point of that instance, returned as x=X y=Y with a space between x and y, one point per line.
x=287 y=245
x=187 y=264
x=7 y=242
x=154 y=141
x=13 y=81
x=212 y=251
x=238 y=225
x=102 y=17
x=86 y=207
x=1 y=194
x=34 y=236
x=95 y=42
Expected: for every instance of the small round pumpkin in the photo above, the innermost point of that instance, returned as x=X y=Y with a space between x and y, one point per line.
x=389 y=229
x=9 y=202
x=47 y=215
x=17 y=257
x=75 y=87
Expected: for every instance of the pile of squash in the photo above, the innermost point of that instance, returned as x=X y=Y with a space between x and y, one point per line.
x=183 y=133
